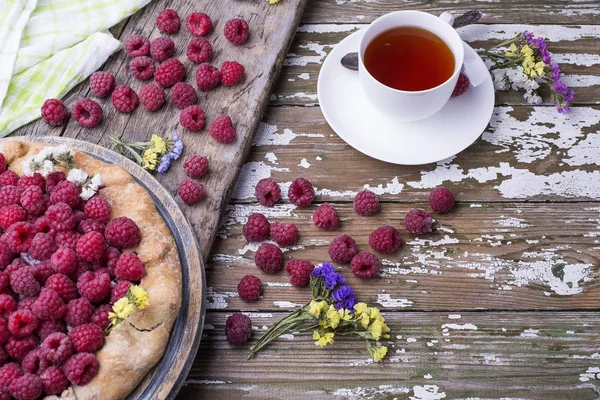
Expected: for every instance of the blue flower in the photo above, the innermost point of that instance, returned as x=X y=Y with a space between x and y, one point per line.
x=333 y=279
x=323 y=270
x=344 y=297
x=174 y=154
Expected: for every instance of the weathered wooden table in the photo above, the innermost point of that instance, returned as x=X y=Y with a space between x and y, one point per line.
x=501 y=301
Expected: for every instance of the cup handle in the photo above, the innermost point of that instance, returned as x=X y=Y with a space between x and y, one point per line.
x=475 y=75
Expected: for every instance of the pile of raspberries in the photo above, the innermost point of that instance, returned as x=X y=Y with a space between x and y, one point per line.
x=63 y=262
x=169 y=73
x=342 y=249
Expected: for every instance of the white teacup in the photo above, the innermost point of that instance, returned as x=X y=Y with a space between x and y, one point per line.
x=411 y=105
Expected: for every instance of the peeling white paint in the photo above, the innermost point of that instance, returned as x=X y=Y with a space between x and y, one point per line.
x=271 y=157
x=287 y=336
x=218 y=300
x=387 y=301
x=369 y=393
x=278 y=284
x=428 y=376
x=459 y=327
x=512 y=222
x=454 y=316
x=427 y=392
x=304 y=163
x=286 y=304
x=530 y=333
x=268 y=135
x=553 y=33
x=590 y=373
x=331 y=28
x=411 y=340
x=304 y=76
x=394 y=187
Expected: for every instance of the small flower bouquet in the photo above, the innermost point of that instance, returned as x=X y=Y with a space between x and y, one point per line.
x=136 y=298
x=524 y=63
x=332 y=311
x=157 y=154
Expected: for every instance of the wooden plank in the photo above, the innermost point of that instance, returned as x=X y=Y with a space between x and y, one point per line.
x=272 y=28
x=511 y=12
x=549 y=356
x=527 y=153
x=497 y=256
x=570 y=45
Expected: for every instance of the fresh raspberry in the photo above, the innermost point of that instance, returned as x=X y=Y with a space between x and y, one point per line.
x=366 y=203
x=94 y=286
x=269 y=258
x=441 y=200
x=9 y=178
x=100 y=316
x=257 y=228
x=385 y=239
x=66 y=192
x=232 y=73
x=90 y=246
x=161 y=49
x=82 y=268
x=42 y=271
x=19 y=236
x=222 y=130
x=9 y=372
x=110 y=259
x=168 y=21
x=87 y=112
x=152 y=97
x=61 y=217
x=284 y=234
x=199 y=24
x=199 y=50
x=130 y=267
x=79 y=215
x=42 y=246
x=6 y=255
x=81 y=368
x=27 y=387
x=301 y=192
x=102 y=83
x=33 y=180
x=119 y=291
x=9 y=195
x=300 y=270
x=418 y=221
x=7 y=306
x=10 y=215
x=57 y=347
x=169 y=72
x=54 y=112
x=195 y=166
x=54 y=381
x=17 y=263
x=462 y=85
x=33 y=200
x=42 y=224
x=79 y=312
x=26 y=303
x=90 y=225
x=67 y=239
x=22 y=323
x=3 y=163
x=137 y=45
x=365 y=265
x=325 y=217
x=122 y=233
x=63 y=286
x=142 y=68
x=125 y=99
x=236 y=31
x=48 y=327
x=238 y=328
x=342 y=249
x=53 y=179
x=34 y=362
x=207 y=77
x=250 y=288
x=192 y=118
x=183 y=95
x=4 y=281
x=18 y=348
x=267 y=192
x=191 y=191
x=49 y=305
x=87 y=338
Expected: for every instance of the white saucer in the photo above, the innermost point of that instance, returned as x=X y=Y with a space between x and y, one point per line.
x=379 y=135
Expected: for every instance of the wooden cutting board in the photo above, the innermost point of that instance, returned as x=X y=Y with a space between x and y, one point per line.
x=272 y=28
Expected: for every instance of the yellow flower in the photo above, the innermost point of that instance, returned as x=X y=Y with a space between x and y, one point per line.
x=316 y=307
x=361 y=308
x=364 y=320
x=324 y=323
x=512 y=50
x=333 y=318
x=345 y=314
x=527 y=51
x=140 y=295
x=379 y=353
x=539 y=68
x=122 y=308
x=376 y=329
x=323 y=340
x=273 y=1
x=375 y=313
x=150 y=160
x=158 y=144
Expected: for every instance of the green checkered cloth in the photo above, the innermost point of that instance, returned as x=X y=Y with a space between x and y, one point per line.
x=49 y=46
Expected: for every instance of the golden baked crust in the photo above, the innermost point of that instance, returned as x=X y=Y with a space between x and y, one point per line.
x=137 y=344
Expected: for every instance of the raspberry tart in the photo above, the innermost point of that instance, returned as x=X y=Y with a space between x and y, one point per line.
x=90 y=276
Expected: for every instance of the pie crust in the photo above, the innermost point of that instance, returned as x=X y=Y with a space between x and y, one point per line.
x=133 y=347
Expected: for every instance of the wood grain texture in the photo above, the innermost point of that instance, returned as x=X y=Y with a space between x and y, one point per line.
x=467 y=355
x=271 y=27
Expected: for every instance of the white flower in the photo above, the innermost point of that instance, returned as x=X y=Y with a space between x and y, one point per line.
x=500 y=80
x=517 y=77
x=77 y=176
x=62 y=150
x=96 y=181
x=27 y=171
x=531 y=85
x=532 y=97
x=87 y=193
x=46 y=168
x=46 y=152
